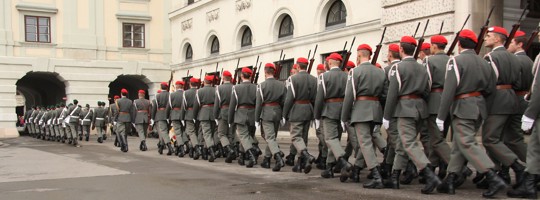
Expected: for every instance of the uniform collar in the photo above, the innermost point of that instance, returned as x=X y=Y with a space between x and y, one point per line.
x=520 y=52
x=498 y=48
x=467 y=51
x=408 y=58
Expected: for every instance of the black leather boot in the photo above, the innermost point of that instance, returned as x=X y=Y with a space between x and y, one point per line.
x=180 y=151
x=211 y=154
x=519 y=170
x=197 y=152
x=322 y=164
x=442 y=169
x=496 y=184
x=421 y=176
x=447 y=185
x=386 y=171
x=346 y=169
x=460 y=178
x=376 y=181
x=432 y=180
x=355 y=174
x=329 y=171
x=241 y=158
x=161 y=146
x=307 y=161
x=144 y=147
x=504 y=173
x=190 y=150
x=87 y=137
x=204 y=153
x=219 y=151
x=251 y=157
x=410 y=173
x=100 y=140
x=393 y=182
x=479 y=177
x=527 y=189
x=290 y=159
x=298 y=165
x=279 y=162
x=115 y=142
x=170 y=149
x=266 y=162
x=231 y=154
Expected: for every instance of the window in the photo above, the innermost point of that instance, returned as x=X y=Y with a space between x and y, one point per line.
x=190 y=2
x=286 y=66
x=246 y=38
x=133 y=35
x=37 y=29
x=337 y=14
x=215 y=46
x=189 y=52
x=286 y=28
x=534 y=8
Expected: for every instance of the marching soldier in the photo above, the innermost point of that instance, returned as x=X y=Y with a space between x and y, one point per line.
x=160 y=115
x=362 y=109
x=242 y=114
x=56 y=123
x=268 y=111
x=37 y=126
x=99 y=120
x=203 y=109
x=124 y=119
x=323 y=149
x=86 y=117
x=221 y=114
x=30 y=121
x=468 y=79
x=328 y=103
x=190 y=118
x=65 y=122
x=113 y=112
x=27 y=116
x=74 y=111
x=405 y=102
x=502 y=105
x=175 y=102
x=425 y=51
x=142 y=108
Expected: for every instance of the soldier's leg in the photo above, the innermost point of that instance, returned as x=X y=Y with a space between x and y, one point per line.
x=177 y=126
x=533 y=150
x=323 y=149
x=190 y=130
x=140 y=131
x=393 y=141
x=270 y=133
x=206 y=127
x=492 y=132
x=355 y=142
x=513 y=137
x=223 y=133
x=200 y=135
x=438 y=144
x=86 y=129
x=424 y=139
x=378 y=140
x=296 y=135
x=164 y=132
x=457 y=159
x=73 y=129
x=408 y=132
x=464 y=137
x=243 y=135
x=364 y=135
x=332 y=137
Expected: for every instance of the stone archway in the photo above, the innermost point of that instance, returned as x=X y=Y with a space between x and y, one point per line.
x=132 y=83
x=41 y=88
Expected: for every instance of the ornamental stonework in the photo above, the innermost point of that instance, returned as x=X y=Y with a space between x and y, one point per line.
x=212 y=15
x=242 y=5
x=186 y=25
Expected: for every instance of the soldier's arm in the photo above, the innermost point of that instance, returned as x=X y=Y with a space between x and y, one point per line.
x=392 y=96
x=232 y=106
x=348 y=100
x=258 y=103
x=319 y=100
x=154 y=108
x=382 y=95
x=534 y=103
x=217 y=104
x=287 y=103
x=196 y=106
x=449 y=92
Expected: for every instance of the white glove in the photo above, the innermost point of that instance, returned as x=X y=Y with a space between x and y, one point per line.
x=526 y=123
x=168 y=121
x=229 y=125
x=217 y=122
x=257 y=125
x=114 y=123
x=183 y=123
x=375 y=128
x=133 y=124
x=194 y=121
x=317 y=123
x=440 y=124
x=151 y=121
x=385 y=123
x=282 y=122
x=343 y=126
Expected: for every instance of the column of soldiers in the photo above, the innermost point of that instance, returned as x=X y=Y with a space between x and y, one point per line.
x=409 y=98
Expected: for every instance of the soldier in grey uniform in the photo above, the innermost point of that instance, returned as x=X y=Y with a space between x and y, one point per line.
x=160 y=116
x=30 y=121
x=467 y=81
x=323 y=149
x=190 y=118
x=27 y=116
x=408 y=85
x=142 y=108
x=530 y=120
x=502 y=105
x=175 y=101
x=113 y=112
x=203 y=109
x=362 y=109
x=35 y=122
x=86 y=117
x=221 y=114
x=242 y=114
x=328 y=104
x=125 y=118
x=57 y=123
x=99 y=120
x=74 y=111
x=268 y=113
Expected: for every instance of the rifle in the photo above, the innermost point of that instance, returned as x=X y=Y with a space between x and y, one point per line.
x=186 y=81
x=515 y=28
x=343 y=54
x=170 y=81
x=200 y=78
x=346 y=59
x=312 y=60
x=215 y=75
x=420 y=42
x=534 y=34
x=221 y=76
x=454 y=43
x=257 y=74
x=255 y=69
x=416 y=31
x=442 y=25
x=378 y=49
x=278 y=66
x=483 y=32
x=236 y=72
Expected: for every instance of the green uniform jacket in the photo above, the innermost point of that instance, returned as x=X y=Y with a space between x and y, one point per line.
x=534 y=103
x=161 y=111
x=86 y=116
x=465 y=73
x=436 y=68
x=526 y=76
x=302 y=87
x=364 y=80
x=113 y=113
x=175 y=102
x=243 y=95
x=74 y=112
x=125 y=110
x=222 y=101
x=34 y=116
x=99 y=116
x=504 y=65
x=187 y=104
x=142 y=109
x=331 y=85
x=204 y=105
x=407 y=78
x=270 y=91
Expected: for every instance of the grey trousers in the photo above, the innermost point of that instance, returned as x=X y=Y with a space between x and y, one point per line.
x=224 y=133
x=439 y=146
x=86 y=130
x=364 y=133
x=73 y=129
x=181 y=136
x=513 y=137
x=298 y=137
x=270 y=129
x=408 y=133
x=207 y=127
x=355 y=143
x=533 y=151
x=100 y=131
x=323 y=148
x=332 y=137
x=378 y=140
x=392 y=140
x=492 y=135
x=191 y=132
x=163 y=130
x=142 y=130
x=244 y=135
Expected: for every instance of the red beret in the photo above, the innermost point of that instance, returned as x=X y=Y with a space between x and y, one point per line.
x=209 y=78
x=519 y=34
x=247 y=70
x=302 y=60
x=335 y=56
x=365 y=47
x=393 y=47
x=378 y=65
x=116 y=97
x=425 y=46
x=466 y=33
x=350 y=64
x=165 y=84
x=499 y=30
x=158 y=91
x=194 y=80
x=270 y=65
x=179 y=83
x=295 y=66
x=408 y=39
x=123 y=91
x=142 y=92
x=439 y=39
x=227 y=73
x=320 y=67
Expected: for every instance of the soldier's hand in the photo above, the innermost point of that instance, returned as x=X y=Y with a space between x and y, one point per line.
x=152 y=122
x=256 y=124
x=385 y=123
x=317 y=123
x=343 y=126
x=183 y=123
x=526 y=123
x=194 y=121
x=217 y=122
x=282 y=123
x=440 y=124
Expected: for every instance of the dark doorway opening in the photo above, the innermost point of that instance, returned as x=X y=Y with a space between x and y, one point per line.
x=132 y=83
x=41 y=88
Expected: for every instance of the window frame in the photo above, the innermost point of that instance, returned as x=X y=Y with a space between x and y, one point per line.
x=37 y=28
x=242 y=44
x=212 y=52
x=342 y=8
x=291 y=25
x=132 y=35
x=187 y=56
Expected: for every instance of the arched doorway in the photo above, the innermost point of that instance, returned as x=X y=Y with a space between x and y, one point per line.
x=132 y=83
x=41 y=88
